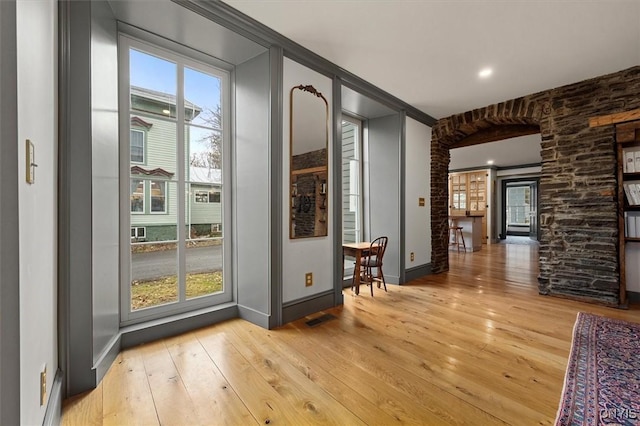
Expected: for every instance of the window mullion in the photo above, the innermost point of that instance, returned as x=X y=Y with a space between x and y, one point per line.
x=180 y=158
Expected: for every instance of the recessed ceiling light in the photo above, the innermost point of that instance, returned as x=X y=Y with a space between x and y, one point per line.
x=484 y=73
x=489 y=162
x=166 y=111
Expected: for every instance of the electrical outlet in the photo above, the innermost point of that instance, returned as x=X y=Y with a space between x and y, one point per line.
x=43 y=386
x=413 y=256
x=308 y=279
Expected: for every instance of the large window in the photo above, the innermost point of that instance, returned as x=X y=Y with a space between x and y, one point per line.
x=351 y=181
x=518 y=205
x=174 y=170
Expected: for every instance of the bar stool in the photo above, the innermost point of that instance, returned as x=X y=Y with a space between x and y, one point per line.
x=457 y=235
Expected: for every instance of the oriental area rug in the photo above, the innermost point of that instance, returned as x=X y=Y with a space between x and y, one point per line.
x=602 y=382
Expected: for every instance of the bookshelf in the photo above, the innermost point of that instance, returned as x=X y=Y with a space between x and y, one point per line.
x=628 y=151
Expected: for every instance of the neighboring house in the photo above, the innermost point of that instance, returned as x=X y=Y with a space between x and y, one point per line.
x=153 y=190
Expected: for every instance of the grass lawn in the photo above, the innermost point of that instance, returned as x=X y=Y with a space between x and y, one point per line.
x=165 y=290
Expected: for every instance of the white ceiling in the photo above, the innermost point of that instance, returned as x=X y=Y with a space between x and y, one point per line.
x=429 y=52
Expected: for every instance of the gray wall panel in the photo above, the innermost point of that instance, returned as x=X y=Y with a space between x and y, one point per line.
x=251 y=186
x=9 y=238
x=105 y=225
x=384 y=189
x=76 y=195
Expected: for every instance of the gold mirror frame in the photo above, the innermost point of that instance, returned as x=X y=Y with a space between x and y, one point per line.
x=308 y=163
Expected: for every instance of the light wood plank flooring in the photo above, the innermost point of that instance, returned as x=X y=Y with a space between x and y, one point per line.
x=476 y=345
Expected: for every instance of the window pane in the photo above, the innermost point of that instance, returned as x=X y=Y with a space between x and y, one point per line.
x=202 y=99
x=137 y=146
x=204 y=268
x=201 y=196
x=204 y=218
x=214 y=196
x=518 y=205
x=153 y=84
x=154 y=277
x=137 y=196
x=204 y=248
x=158 y=196
x=205 y=151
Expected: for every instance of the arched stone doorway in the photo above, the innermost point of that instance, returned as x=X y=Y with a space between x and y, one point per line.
x=578 y=183
x=509 y=119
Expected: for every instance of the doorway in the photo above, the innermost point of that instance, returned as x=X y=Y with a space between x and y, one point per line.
x=520 y=215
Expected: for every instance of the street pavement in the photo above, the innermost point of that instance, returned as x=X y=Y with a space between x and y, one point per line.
x=146 y=266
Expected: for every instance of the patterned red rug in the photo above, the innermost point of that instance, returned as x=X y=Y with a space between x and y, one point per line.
x=602 y=382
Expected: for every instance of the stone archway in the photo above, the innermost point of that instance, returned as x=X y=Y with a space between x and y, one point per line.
x=578 y=184
x=505 y=120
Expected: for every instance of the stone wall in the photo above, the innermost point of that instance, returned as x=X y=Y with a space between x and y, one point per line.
x=307 y=160
x=578 y=244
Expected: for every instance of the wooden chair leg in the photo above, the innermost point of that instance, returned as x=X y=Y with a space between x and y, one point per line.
x=381 y=275
x=464 y=246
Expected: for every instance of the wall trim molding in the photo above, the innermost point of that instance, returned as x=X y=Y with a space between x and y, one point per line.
x=402 y=202
x=633 y=297
x=255 y=317
x=417 y=272
x=53 y=413
x=137 y=334
x=299 y=308
x=237 y=21
x=107 y=357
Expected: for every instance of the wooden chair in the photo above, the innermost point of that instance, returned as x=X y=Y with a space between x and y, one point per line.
x=457 y=236
x=372 y=260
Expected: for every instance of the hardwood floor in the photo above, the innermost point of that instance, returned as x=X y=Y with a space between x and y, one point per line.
x=476 y=345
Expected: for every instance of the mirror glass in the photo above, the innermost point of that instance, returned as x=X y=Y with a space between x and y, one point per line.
x=308 y=135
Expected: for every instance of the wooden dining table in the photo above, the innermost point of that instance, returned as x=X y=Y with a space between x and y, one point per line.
x=357 y=250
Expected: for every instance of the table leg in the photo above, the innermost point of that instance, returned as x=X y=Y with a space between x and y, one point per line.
x=356 y=275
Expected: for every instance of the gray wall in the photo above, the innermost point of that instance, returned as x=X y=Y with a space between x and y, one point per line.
x=105 y=177
x=9 y=239
x=75 y=227
x=89 y=207
x=251 y=163
x=385 y=202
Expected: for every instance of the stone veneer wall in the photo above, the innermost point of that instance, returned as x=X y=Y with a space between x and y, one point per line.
x=578 y=244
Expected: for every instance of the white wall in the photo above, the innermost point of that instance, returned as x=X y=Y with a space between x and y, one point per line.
x=304 y=255
x=37 y=116
x=417 y=185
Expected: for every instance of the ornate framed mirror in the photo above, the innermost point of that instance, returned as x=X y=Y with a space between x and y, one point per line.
x=308 y=162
